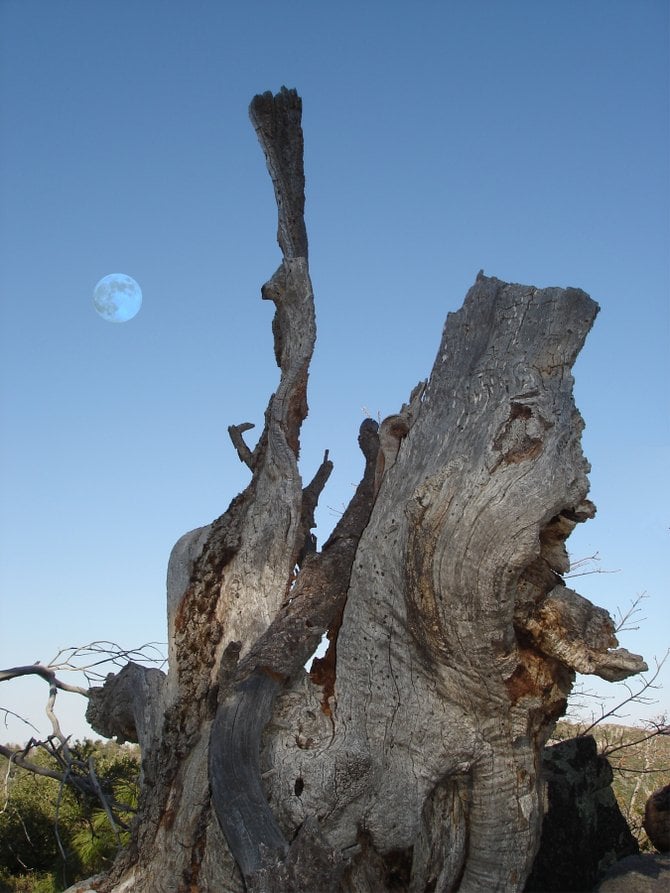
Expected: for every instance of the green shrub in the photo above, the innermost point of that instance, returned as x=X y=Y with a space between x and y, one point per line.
x=39 y=812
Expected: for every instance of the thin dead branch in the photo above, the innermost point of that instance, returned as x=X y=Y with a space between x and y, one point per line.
x=103 y=800
x=624 y=623
x=654 y=729
x=18 y=716
x=583 y=567
x=87 y=659
x=45 y=672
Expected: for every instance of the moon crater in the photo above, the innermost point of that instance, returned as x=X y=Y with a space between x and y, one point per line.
x=117 y=297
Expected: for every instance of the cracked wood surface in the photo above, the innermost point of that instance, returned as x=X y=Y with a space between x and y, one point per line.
x=443 y=682
x=409 y=757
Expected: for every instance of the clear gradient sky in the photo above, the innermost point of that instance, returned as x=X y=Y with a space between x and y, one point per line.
x=528 y=139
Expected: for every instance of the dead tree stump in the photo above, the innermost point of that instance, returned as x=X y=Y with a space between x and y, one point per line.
x=409 y=758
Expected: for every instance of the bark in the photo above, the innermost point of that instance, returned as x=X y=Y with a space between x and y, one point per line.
x=409 y=757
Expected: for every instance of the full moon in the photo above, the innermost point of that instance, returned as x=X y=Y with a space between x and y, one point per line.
x=117 y=297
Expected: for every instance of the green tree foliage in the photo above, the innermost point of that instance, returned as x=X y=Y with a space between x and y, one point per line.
x=51 y=835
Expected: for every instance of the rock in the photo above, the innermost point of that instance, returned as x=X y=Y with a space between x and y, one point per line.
x=90 y=885
x=657 y=819
x=647 y=873
x=583 y=832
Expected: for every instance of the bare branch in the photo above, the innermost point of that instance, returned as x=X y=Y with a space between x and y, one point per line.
x=18 y=758
x=577 y=568
x=624 y=621
x=661 y=730
x=45 y=672
x=85 y=658
x=235 y=432
x=61 y=848
x=103 y=800
x=55 y=684
x=18 y=716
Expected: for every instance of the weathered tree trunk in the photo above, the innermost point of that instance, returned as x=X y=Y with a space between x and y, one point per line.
x=408 y=759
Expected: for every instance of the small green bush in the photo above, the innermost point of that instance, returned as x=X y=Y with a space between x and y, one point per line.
x=38 y=811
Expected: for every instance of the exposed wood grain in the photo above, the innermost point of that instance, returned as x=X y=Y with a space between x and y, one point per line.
x=409 y=759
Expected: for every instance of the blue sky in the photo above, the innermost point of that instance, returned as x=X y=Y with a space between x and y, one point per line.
x=528 y=139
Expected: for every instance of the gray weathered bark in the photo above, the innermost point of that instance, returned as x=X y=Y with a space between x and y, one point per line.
x=409 y=757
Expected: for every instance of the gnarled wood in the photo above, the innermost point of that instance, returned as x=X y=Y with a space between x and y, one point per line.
x=409 y=757
x=314 y=606
x=441 y=685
